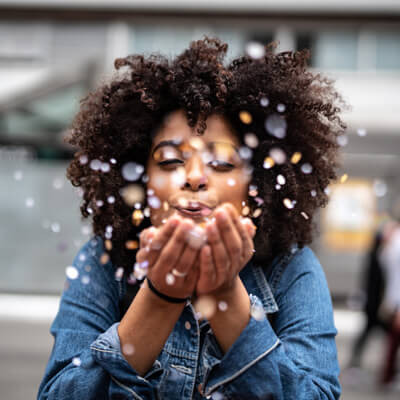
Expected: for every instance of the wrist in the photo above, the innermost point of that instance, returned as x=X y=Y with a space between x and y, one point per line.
x=158 y=302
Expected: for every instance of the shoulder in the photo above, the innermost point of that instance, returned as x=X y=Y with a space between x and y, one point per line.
x=93 y=268
x=295 y=269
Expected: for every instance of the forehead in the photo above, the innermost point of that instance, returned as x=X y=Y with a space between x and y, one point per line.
x=175 y=126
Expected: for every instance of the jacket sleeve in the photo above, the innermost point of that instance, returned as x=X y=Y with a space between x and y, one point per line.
x=86 y=361
x=296 y=361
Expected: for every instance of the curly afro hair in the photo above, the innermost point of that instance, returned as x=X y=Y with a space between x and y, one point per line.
x=293 y=113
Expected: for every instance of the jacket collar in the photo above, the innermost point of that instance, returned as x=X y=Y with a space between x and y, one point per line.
x=254 y=279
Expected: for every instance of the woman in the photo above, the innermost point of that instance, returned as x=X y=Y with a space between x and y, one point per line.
x=193 y=156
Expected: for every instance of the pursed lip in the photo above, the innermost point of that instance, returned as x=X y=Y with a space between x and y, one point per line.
x=200 y=211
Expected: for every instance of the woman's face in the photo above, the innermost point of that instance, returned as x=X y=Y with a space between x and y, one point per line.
x=197 y=172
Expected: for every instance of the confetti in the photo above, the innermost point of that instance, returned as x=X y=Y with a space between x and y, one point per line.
x=306 y=168
x=55 y=227
x=276 y=125
x=104 y=258
x=111 y=199
x=255 y=50
x=245 y=117
x=197 y=143
x=71 y=272
x=128 y=349
x=187 y=325
x=245 y=153
x=288 y=203
x=108 y=244
x=379 y=187
x=257 y=312
x=83 y=159
x=296 y=157
x=281 y=179
x=18 y=175
x=281 y=107
x=222 y=306
x=251 y=140
x=245 y=211
x=196 y=237
x=313 y=193
x=29 y=202
x=113 y=161
x=277 y=186
x=205 y=306
x=264 y=102
x=268 y=163
x=76 y=361
x=131 y=244
x=253 y=190
x=257 y=212
x=231 y=182
x=169 y=279
x=137 y=217
x=132 y=194
x=85 y=280
x=132 y=171
x=361 y=132
x=95 y=165
x=342 y=140
x=304 y=215
x=105 y=167
x=344 y=178
x=278 y=155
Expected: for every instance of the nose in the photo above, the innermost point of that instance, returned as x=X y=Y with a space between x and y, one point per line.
x=196 y=178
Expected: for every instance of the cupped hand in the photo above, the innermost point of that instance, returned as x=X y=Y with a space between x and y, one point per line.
x=230 y=247
x=169 y=258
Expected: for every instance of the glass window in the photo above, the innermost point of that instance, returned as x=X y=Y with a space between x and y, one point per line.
x=330 y=49
x=388 y=50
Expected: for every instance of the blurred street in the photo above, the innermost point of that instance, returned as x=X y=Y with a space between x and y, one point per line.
x=25 y=346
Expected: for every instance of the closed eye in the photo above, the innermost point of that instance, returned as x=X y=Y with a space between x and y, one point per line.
x=220 y=166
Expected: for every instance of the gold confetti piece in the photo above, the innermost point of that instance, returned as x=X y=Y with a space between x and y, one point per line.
x=108 y=244
x=245 y=117
x=245 y=210
x=131 y=244
x=132 y=194
x=137 y=217
x=288 y=203
x=343 y=178
x=257 y=212
x=296 y=157
x=165 y=206
x=197 y=143
x=268 y=163
x=104 y=258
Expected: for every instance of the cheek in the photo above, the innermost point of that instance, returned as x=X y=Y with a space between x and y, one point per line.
x=233 y=190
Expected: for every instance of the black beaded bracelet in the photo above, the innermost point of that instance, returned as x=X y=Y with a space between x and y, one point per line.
x=164 y=296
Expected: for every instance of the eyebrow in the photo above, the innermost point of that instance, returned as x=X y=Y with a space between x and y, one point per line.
x=177 y=142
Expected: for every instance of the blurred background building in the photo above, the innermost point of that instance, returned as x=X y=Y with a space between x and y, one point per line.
x=52 y=53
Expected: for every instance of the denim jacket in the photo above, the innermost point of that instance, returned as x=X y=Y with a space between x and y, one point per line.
x=294 y=358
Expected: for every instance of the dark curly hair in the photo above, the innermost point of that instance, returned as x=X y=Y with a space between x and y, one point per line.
x=118 y=120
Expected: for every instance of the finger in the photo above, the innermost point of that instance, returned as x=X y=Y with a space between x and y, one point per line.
x=186 y=262
x=207 y=268
x=161 y=237
x=245 y=230
x=219 y=253
x=173 y=249
x=230 y=236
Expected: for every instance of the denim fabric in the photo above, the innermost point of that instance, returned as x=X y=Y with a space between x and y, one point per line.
x=294 y=359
